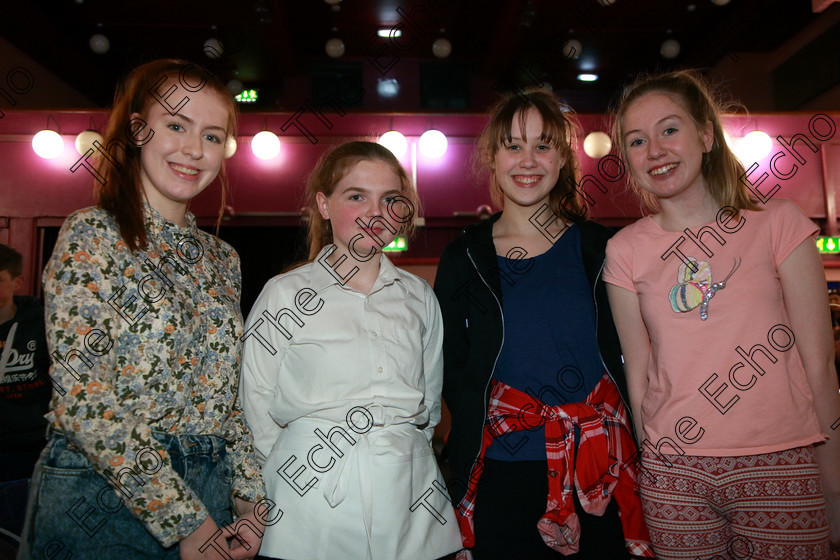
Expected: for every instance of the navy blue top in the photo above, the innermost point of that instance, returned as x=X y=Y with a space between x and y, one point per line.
x=550 y=348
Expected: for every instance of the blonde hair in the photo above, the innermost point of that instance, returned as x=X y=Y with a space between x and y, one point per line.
x=560 y=129
x=720 y=167
x=332 y=166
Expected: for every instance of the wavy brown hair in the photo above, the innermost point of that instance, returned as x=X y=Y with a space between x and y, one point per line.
x=122 y=194
x=720 y=167
x=560 y=130
x=331 y=168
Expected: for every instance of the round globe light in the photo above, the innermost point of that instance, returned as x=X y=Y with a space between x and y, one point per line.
x=99 y=43
x=394 y=141
x=48 y=144
x=754 y=147
x=597 y=144
x=334 y=48
x=85 y=140
x=265 y=145
x=441 y=48
x=230 y=147
x=433 y=143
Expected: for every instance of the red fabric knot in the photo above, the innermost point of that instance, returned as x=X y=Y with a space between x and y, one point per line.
x=604 y=445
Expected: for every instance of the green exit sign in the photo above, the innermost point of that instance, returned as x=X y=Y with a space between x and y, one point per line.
x=828 y=245
x=247 y=96
x=400 y=243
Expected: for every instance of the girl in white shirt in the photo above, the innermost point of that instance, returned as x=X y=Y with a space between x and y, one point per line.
x=342 y=375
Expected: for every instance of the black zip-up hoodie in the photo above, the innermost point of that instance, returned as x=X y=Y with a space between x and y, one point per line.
x=469 y=291
x=24 y=378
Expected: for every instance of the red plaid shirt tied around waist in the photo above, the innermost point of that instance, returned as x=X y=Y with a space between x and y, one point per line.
x=603 y=468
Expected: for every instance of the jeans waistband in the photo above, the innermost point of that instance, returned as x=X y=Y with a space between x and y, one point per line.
x=182 y=445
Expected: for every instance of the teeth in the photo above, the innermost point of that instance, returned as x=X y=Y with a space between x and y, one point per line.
x=527 y=180
x=184 y=170
x=663 y=169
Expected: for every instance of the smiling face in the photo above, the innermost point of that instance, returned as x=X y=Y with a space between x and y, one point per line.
x=527 y=167
x=185 y=153
x=364 y=193
x=665 y=147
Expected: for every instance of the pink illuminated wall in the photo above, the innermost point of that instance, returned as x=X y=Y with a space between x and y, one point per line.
x=36 y=192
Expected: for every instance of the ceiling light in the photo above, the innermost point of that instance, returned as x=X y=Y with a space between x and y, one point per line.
x=441 y=48
x=597 y=144
x=386 y=33
x=394 y=141
x=388 y=87
x=230 y=147
x=433 y=143
x=48 y=144
x=265 y=145
x=85 y=140
x=587 y=77
x=334 y=48
x=753 y=147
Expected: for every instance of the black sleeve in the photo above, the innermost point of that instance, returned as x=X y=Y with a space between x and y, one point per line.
x=451 y=283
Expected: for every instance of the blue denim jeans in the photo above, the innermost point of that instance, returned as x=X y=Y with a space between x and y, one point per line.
x=64 y=477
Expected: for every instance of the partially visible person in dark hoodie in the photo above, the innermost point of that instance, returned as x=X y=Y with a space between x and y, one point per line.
x=24 y=390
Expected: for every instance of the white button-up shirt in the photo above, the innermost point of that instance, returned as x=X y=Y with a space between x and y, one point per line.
x=315 y=350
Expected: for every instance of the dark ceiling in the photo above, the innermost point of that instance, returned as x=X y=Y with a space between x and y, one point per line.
x=275 y=46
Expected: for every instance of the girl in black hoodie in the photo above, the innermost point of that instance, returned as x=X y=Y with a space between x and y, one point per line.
x=532 y=365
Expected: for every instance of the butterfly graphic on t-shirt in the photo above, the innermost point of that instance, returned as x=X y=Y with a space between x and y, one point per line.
x=695 y=287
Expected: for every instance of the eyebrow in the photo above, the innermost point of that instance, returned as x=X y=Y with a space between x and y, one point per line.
x=674 y=116
x=190 y=121
x=365 y=191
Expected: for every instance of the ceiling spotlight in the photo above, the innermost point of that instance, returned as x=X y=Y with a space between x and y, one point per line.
x=334 y=48
x=572 y=49
x=386 y=33
x=235 y=86
x=48 y=144
x=387 y=88
x=441 y=48
x=99 y=43
x=597 y=144
x=433 y=143
x=394 y=141
x=720 y=2
x=213 y=48
x=670 y=48
x=587 y=77
x=265 y=145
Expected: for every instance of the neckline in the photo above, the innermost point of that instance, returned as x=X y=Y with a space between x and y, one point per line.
x=550 y=249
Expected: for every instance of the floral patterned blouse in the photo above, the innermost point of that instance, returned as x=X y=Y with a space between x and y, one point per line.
x=148 y=341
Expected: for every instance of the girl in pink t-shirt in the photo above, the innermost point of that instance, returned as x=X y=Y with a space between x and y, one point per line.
x=720 y=303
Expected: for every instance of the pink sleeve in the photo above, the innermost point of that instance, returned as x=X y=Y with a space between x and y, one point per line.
x=619 y=268
x=789 y=227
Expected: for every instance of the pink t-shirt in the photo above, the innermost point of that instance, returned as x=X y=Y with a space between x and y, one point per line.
x=732 y=383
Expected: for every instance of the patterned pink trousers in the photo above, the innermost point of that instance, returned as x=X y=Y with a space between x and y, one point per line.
x=756 y=507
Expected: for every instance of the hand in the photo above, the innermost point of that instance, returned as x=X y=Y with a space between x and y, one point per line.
x=191 y=545
x=246 y=532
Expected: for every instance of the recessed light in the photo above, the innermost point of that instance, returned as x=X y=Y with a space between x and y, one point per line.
x=391 y=32
x=587 y=77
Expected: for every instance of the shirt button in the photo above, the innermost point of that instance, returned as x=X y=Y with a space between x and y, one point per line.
x=373 y=333
x=553 y=473
x=379 y=369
